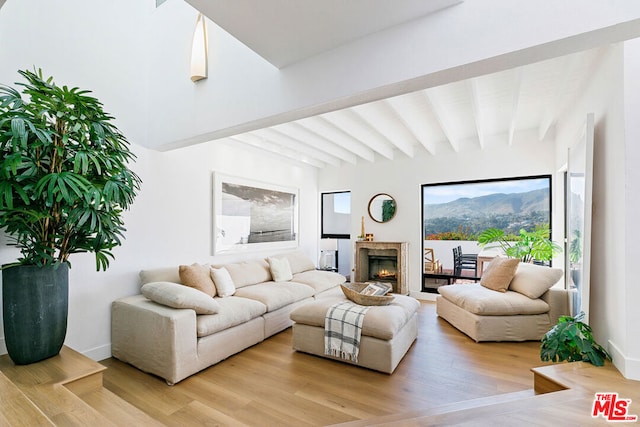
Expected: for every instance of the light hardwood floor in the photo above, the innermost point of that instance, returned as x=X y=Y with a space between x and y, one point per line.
x=270 y=384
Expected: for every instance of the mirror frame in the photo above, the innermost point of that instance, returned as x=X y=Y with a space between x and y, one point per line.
x=380 y=221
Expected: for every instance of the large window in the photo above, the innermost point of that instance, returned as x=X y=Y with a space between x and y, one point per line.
x=336 y=215
x=461 y=210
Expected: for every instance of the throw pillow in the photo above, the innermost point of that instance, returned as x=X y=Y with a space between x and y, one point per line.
x=197 y=276
x=223 y=281
x=534 y=280
x=280 y=269
x=179 y=296
x=499 y=273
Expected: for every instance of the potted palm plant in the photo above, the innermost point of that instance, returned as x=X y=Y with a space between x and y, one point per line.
x=64 y=183
x=527 y=246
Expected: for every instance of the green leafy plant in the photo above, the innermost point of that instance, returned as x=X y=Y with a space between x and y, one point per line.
x=575 y=247
x=527 y=246
x=571 y=340
x=64 y=180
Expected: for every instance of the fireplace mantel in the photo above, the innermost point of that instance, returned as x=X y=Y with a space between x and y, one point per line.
x=398 y=250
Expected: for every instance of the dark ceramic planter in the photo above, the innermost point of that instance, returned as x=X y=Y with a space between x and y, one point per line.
x=35 y=302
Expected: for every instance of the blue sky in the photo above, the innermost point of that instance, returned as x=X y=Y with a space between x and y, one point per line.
x=342 y=203
x=446 y=193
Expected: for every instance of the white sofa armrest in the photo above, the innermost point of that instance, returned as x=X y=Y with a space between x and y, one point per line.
x=155 y=338
x=558 y=300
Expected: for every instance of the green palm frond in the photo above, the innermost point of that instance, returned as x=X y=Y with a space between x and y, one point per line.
x=64 y=176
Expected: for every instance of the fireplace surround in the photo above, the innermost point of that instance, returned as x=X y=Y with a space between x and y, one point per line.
x=383 y=261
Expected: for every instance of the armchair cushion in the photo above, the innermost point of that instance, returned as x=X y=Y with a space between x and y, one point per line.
x=477 y=299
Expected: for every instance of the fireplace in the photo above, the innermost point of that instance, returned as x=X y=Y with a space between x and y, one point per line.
x=383 y=262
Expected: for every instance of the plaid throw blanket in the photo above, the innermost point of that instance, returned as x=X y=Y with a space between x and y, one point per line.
x=342 y=330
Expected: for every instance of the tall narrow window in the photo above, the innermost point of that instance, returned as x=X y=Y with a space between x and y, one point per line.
x=336 y=215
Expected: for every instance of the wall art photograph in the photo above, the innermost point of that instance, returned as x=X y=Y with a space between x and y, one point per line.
x=462 y=210
x=249 y=215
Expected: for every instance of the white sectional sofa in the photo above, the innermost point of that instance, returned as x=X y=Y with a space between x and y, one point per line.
x=167 y=337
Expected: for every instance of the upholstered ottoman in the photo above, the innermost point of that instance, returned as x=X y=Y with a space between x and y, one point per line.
x=387 y=331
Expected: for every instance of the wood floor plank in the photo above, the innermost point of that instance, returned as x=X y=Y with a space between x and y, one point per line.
x=16 y=408
x=271 y=384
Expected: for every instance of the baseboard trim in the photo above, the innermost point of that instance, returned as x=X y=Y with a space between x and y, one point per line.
x=628 y=367
x=98 y=353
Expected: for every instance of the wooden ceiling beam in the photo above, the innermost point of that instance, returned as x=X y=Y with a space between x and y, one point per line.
x=472 y=86
x=321 y=126
x=312 y=139
x=385 y=121
x=410 y=109
x=253 y=142
x=432 y=98
x=515 y=102
x=292 y=143
x=350 y=122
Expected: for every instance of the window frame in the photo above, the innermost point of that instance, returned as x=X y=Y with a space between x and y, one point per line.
x=324 y=235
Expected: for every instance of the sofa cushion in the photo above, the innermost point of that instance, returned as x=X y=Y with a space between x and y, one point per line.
x=280 y=269
x=248 y=272
x=180 y=296
x=197 y=276
x=298 y=262
x=534 y=280
x=276 y=294
x=166 y=274
x=381 y=322
x=477 y=299
x=222 y=279
x=233 y=311
x=319 y=280
x=499 y=273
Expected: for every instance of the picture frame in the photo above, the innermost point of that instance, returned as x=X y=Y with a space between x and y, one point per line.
x=376 y=289
x=249 y=215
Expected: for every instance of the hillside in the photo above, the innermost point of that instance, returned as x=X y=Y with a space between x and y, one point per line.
x=508 y=211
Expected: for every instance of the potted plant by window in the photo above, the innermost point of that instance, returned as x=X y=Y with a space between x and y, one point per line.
x=64 y=183
x=571 y=340
x=528 y=246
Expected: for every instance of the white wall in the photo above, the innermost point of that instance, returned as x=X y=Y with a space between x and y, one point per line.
x=96 y=45
x=613 y=97
x=629 y=361
x=402 y=178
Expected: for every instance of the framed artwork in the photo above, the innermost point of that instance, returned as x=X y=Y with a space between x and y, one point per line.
x=252 y=216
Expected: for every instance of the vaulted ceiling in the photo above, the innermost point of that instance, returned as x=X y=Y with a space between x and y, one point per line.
x=490 y=110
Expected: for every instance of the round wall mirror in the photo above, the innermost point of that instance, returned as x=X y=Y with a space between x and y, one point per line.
x=382 y=207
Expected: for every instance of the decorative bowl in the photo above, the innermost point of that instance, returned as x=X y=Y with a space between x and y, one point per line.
x=352 y=292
